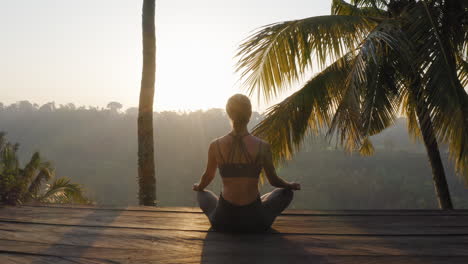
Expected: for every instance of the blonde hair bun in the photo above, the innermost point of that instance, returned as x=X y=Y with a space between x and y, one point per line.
x=239 y=109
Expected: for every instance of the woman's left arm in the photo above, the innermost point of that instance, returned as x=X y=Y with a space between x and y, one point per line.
x=210 y=171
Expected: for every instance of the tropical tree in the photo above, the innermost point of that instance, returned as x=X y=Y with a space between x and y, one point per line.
x=146 y=171
x=114 y=106
x=379 y=59
x=21 y=185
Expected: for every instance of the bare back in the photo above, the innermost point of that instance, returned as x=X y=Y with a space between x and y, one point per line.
x=239 y=190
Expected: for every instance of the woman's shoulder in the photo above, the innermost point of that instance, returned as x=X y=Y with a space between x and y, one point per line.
x=221 y=138
x=227 y=137
x=261 y=141
x=218 y=140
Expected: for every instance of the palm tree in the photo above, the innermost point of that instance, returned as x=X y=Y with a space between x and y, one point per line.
x=379 y=59
x=146 y=174
x=21 y=185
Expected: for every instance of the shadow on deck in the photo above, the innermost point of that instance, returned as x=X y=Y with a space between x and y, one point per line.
x=55 y=234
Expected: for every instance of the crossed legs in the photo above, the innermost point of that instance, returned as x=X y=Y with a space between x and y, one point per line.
x=273 y=203
x=276 y=202
x=207 y=201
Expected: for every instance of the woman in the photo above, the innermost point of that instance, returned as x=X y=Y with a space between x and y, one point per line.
x=240 y=158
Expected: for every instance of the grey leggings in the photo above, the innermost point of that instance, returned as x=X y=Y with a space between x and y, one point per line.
x=272 y=204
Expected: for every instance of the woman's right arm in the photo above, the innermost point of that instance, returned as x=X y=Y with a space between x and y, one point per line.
x=270 y=171
x=210 y=171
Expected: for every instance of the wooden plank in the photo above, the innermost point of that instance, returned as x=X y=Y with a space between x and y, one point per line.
x=374 y=212
x=129 y=238
x=21 y=210
x=22 y=258
x=345 y=225
x=256 y=248
x=184 y=249
x=37 y=212
x=6 y=258
x=176 y=235
x=333 y=259
x=281 y=226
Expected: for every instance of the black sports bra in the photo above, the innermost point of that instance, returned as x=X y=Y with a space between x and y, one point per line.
x=229 y=169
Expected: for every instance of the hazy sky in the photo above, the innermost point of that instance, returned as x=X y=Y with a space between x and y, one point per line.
x=88 y=52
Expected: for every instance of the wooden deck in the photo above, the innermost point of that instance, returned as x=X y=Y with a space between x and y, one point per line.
x=181 y=235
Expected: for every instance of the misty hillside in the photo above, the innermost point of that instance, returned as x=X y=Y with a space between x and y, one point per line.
x=97 y=148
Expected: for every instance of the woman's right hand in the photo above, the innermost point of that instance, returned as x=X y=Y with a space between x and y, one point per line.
x=294 y=186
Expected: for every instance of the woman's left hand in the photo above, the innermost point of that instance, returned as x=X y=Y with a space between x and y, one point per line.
x=295 y=186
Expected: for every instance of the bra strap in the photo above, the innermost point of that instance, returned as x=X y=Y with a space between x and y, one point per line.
x=259 y=153
x=244 y=149
x=219 y=150
x=238 y=146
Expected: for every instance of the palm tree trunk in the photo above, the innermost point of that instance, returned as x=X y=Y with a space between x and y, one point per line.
x=432 y=148
x=146 y=171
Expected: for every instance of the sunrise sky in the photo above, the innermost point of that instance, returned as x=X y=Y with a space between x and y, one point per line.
x=88 y=52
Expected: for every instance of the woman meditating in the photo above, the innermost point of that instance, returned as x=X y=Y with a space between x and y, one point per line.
x=240 y=158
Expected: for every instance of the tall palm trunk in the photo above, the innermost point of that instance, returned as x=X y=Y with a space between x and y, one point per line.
x=432 y=148
x=146 y=174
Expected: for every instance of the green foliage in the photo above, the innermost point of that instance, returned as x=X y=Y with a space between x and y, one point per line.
x=309 y=109
x=340 y=7
x=62 y=191
x=401 y=56
x=21 y=185
x=277 y=54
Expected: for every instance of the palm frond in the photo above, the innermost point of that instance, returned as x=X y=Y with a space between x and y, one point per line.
x=448 y=106
x=443 y=94
x=9 y=158
x=408 y=110
x=276 y=56
x=462 y=69
x=346 y=123
x=341 y=7
x=62 y=191
x=367 y=149
x=381 y=96
x=31 y=167
x=371 y=101
x=464 y=31
x=45 y=174
x=309 y=109
x=380 y=4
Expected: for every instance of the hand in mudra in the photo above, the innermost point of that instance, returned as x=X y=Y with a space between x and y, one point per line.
x=196 y=188
x=295 y=186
